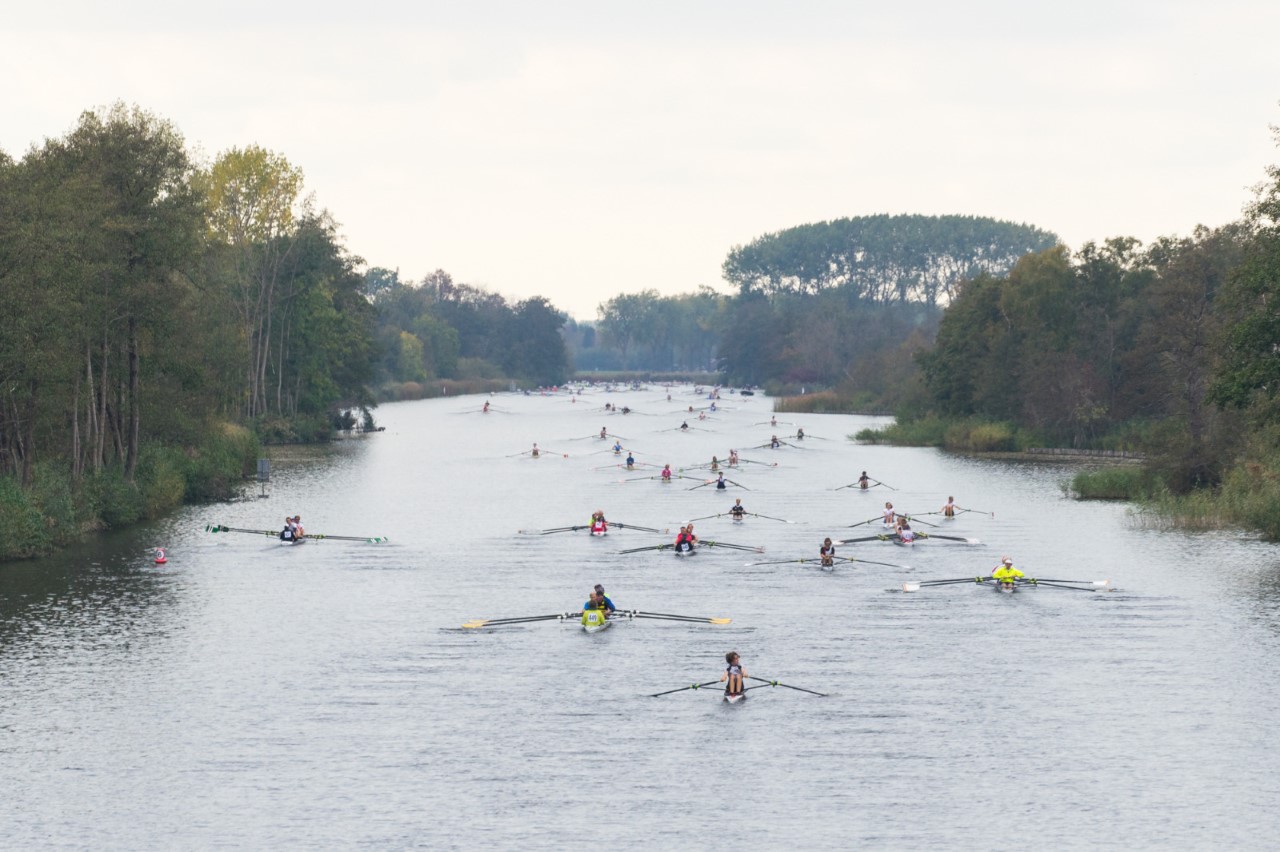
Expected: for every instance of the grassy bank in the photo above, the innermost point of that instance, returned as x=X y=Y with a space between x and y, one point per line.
x=1248 y=496
x=57 y=511
x=826 y=402
x=402 y=391
x=974 y=436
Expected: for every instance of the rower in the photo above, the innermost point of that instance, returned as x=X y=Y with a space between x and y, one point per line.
x=702 y=415
x=604 y=599
x=949 y=510
x=631 y=460
x=734 y=675
x=599 y=526
x=737 y=511
x=298 y=532
x=720 y=483
x=733 y=458
x=774 y=443
x=1005 y=574
x=485 y=410
x=617 y=448
x=594 y=614
x=864 y=481
x=799 y=433
x=773 y=421
x=890 y=516
x=693 y=538
x=905 y=534
x=626 y=410
x=827 y=553
x=713 y=406
x=715 y=463
x=684 y=426
x=666 y=472
x=286 y=534
x=536 y=453
x=684 y=541
x=604 y=434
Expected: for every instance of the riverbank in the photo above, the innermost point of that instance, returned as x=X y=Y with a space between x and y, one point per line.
x=57 y=510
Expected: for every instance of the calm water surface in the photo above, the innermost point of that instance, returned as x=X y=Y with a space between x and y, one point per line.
x=253 y=695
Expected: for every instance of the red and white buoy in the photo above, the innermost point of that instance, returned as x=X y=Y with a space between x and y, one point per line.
x=160 y=557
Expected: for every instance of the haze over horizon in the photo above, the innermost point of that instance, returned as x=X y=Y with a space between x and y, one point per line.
x=577 y=151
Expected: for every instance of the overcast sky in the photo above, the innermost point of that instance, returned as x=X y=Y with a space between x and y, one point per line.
x=576 y=150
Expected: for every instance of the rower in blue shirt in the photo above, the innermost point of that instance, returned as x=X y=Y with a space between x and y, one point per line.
x=631 y=460
x=599 y=595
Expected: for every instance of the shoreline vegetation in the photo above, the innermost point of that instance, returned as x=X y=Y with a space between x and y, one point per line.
x=57 y=510
x=1132 y=471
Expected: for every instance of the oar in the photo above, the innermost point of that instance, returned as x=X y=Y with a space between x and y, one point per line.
x=714 y=481
x=860 y=523
x=632 y=613
x=652 y=547
x=768 y=518
x=371 y=540
x=683 y=688
x=498 y=622
x=1033 y=582
x=872 y=562
x=948 y=538
x=913 y=519
x=753 y=461
x=733 y=546
x=839 y=559
x=556 y=530
x=915 y=587
x=214 y=528
x=622 y=526
x=787 y=685
x=881 y=537
x=707 y=517
x=1080 y=582
x=979 y=511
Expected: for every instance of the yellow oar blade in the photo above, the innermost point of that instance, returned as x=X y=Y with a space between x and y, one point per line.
x=473 y=624
x=720 y=620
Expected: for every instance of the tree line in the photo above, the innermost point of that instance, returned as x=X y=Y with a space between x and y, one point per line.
x=1168 y=348
x=841 y=304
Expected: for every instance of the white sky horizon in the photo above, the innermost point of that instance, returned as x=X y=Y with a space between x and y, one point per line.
x=579 y=150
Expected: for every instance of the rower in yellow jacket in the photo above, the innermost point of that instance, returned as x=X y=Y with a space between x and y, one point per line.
x=594 y=615
x=1005 y=573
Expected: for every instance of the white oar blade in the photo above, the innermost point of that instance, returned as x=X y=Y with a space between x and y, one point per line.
x=910 y=587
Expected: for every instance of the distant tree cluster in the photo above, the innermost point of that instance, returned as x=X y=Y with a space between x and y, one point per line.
x=440 y=329
x=882 y=259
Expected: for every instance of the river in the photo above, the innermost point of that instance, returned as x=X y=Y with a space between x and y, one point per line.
x=249 y=694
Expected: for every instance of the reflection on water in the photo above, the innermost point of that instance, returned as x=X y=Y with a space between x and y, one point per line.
x=252 y=694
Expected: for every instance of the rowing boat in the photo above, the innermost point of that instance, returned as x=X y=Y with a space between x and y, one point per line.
x=597 y=628
x=735 y=697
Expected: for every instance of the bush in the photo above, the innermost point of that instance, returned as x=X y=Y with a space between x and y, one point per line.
x=981 y=437
x=113 y=499
x=1114 y=483
x=825 y=402
x=928 y=431
x=22 y=531
x=214 y=470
